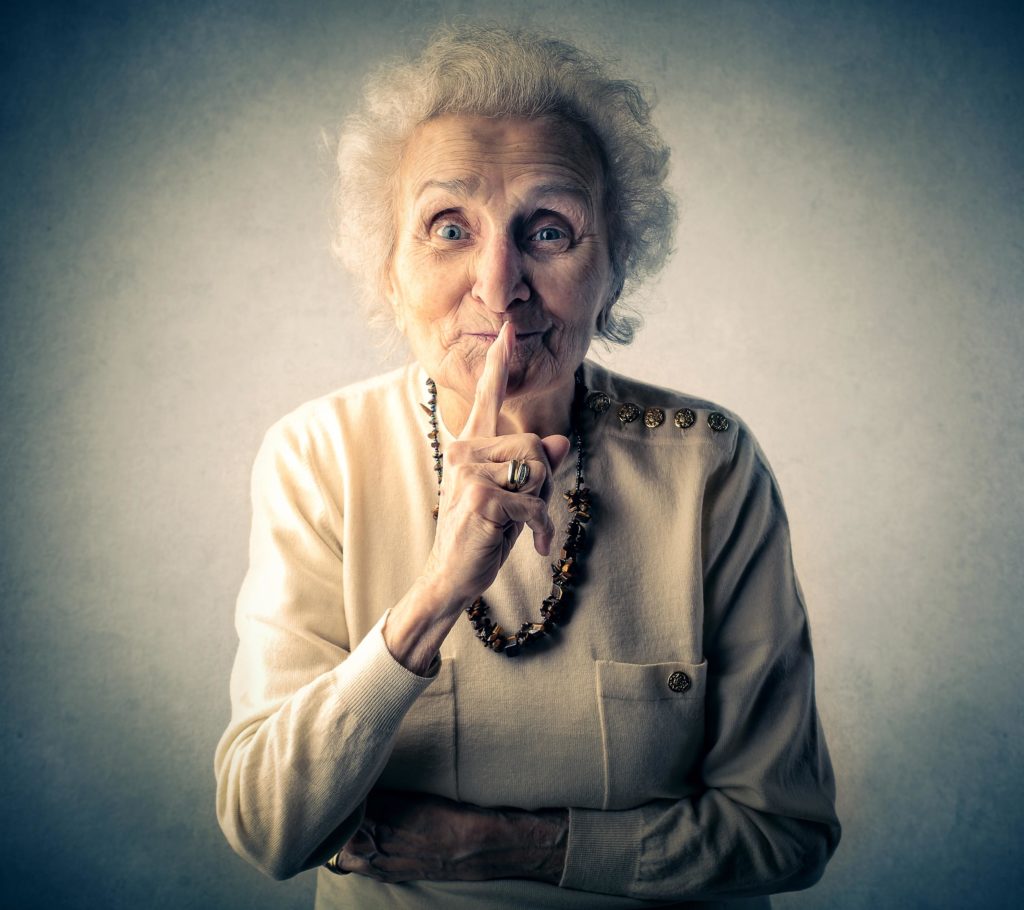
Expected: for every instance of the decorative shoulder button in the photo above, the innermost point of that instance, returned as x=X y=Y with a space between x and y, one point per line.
x=654 y=418
x=718 y=422
x=685 y=418
x=598 y=402
x=628 y=412
x=679 y=681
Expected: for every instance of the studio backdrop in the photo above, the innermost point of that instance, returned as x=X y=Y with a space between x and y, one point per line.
x=848 y=278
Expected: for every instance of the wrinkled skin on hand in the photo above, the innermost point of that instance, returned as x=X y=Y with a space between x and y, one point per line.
x=415 y=837
x=479 y=520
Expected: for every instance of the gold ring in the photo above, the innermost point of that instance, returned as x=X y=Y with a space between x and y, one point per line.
x=332 y=865
x=518 y=474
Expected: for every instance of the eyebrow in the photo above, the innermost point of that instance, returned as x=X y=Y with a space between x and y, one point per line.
x=565 y=189
x=575 y=193
x=456 y=186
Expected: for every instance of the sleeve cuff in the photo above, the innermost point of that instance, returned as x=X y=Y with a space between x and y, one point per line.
x=603 y=850
x=376 y=685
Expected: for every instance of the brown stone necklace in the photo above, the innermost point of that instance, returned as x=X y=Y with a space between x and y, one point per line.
x=564 y=572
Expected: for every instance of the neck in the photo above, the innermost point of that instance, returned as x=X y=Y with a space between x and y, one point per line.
x=545 y=413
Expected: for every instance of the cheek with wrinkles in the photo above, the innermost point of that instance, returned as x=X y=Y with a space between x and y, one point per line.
x=593 y=272
x=428 y=295
x=442 y=286
x=576 y=291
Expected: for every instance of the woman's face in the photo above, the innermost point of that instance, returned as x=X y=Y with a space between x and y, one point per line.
x=499 y=221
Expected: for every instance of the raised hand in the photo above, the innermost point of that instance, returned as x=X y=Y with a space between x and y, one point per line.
x=479 y=519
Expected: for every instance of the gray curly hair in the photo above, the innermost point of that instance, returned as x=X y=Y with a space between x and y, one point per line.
x=491 y=71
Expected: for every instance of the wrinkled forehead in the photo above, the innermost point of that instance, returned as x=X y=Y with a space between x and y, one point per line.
x=469 y=155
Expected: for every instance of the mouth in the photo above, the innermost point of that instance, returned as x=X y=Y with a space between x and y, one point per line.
x=490 y=336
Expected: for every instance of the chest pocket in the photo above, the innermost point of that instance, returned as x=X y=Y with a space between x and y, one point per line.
x=652 y=729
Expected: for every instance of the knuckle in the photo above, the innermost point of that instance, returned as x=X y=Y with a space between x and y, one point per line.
x=454 y=474
x=457 y=452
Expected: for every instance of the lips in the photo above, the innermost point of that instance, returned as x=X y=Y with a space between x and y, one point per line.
x=520 y=336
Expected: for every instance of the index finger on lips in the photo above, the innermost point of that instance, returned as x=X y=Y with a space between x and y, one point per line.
x=490 y=388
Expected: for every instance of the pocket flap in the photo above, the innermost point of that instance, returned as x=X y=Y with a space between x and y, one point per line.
x=674 y=680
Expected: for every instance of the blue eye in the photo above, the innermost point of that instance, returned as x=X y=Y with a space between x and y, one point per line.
x=450 y=232
x=549 y=234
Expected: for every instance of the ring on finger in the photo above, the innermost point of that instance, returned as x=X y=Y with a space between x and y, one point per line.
x=518 y=474
x=332 y=865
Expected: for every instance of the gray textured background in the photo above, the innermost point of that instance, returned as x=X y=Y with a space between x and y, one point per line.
x=848 y=278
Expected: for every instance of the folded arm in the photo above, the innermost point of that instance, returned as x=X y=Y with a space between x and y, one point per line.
x=313 y=720
x=763 y=818
x=420 y=837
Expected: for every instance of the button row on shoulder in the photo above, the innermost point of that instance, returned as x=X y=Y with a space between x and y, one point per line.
x=629 y=412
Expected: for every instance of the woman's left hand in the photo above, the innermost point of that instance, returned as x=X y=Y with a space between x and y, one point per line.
x=408 y=836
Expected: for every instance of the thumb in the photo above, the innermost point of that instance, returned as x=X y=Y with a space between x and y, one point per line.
x=556 y=448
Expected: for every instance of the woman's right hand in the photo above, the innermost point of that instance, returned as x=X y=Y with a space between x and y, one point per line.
x=479 y=519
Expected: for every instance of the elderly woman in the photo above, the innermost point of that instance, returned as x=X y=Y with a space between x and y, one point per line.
x=435 y=712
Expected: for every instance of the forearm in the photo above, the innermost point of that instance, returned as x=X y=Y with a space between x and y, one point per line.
x=290 y=783
x=705 y=848
x=406 y=836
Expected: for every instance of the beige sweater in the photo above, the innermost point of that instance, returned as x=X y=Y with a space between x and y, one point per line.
x=720 y=791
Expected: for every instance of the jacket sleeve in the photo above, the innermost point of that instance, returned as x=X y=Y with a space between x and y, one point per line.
x=313 y=718
x=763 y=818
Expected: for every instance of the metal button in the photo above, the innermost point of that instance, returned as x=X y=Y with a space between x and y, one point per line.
x=718 y=422
x=598 y=402
x=654 y=418
x=685 y=418
x=628 y=412
x=679 y=681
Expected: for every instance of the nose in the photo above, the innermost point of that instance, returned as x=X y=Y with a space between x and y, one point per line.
x=499 y=279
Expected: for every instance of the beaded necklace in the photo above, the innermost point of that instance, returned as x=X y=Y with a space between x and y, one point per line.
x=564 y=572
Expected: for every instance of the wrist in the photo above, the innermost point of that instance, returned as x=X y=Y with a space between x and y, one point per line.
x=433 y=593
x=543 y=835
x=553 y=837
x=419 y=623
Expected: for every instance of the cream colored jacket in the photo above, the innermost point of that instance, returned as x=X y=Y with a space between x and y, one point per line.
x=716 y=791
